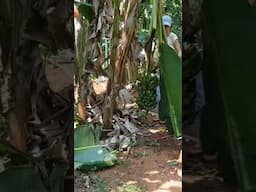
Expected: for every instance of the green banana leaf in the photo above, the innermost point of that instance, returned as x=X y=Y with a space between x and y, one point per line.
x=231 y=26
x=94 y=158
x=23 y=178
x=164 y=110
x=89 y=155
x=171 y=72
x=86 y=135
x=27 y=178
x=26 y=173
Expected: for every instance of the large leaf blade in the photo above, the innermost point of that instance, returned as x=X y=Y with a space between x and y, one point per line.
x=171 y=71
x=236 y=76
x=86 y=135
x=94 y=157
x=23 y=178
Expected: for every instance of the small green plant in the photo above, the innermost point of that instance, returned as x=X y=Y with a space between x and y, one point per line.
x=132 y=188
x=173 y=163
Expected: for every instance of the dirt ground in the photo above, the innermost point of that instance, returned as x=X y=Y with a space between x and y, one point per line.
x=199 y=174
x=152 y=165
x=148 y=166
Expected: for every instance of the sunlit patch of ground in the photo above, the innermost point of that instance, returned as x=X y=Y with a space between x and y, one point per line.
x=152 y=166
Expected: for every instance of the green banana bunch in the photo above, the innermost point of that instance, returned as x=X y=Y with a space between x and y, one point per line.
x=146 y=87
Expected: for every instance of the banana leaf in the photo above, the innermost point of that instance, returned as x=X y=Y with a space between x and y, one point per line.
x=164 y=110
x=231 y=25
x=23 y=178
x=86 y=135
x=27 y=178
x=26 y=173
x=170 y=71
x=89 y=155
x=94 y=158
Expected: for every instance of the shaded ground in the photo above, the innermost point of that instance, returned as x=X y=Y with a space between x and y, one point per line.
x=200 y=174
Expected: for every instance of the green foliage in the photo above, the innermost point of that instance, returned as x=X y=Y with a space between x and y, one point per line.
x=171 y=7
x=89 y=155
x=171 y=72
x=132 y=188
x=21 y=179
x=146 y=88
x=232 y=63
x=93 y=158
x=87 y=135
x=144 y=21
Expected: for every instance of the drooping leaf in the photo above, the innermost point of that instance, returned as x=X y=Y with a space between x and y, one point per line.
x=171 y=72
x=86 y=135
x=94 y=158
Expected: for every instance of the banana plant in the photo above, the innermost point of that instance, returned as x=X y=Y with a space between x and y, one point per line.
x=171 y=72
x=30 y=33
x=169 y=62
x=82 y=30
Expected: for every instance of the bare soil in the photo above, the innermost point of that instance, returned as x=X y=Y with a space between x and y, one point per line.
x=149 y=166
x=199 y=174
x=152 y=165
